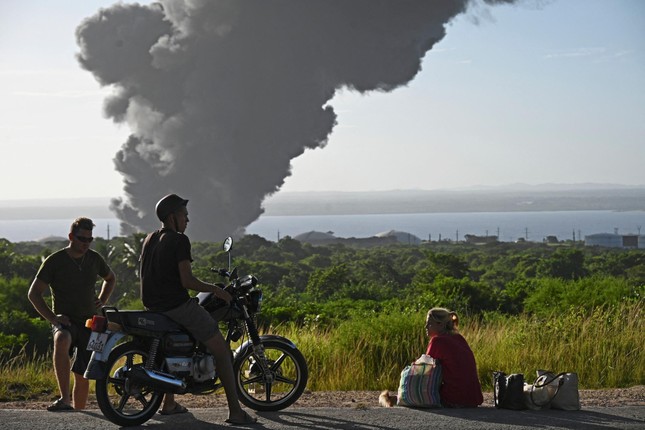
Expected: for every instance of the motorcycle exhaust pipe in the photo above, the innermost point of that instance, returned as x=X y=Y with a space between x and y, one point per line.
x=157 y=380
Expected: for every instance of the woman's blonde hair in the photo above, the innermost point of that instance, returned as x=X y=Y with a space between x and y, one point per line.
x=445 y=316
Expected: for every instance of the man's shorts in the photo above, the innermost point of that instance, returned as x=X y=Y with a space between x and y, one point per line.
x=80 y=337
x=195 y=319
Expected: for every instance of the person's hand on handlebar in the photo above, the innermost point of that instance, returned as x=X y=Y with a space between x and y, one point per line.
x=222 y=294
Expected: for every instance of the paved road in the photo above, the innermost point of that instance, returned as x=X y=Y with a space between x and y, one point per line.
x=346 y=418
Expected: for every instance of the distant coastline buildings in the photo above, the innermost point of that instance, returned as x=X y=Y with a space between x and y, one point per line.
x=615 y=240
x=606 y=240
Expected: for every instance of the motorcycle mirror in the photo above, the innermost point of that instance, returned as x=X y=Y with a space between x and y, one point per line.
x=228 y=244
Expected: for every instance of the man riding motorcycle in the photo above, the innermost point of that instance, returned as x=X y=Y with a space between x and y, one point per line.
x=166 y=277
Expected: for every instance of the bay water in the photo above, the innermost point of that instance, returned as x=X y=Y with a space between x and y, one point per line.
x=508 y=226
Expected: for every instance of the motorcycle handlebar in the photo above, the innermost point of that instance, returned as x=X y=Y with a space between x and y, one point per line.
x=221 y=272
x=232 y=275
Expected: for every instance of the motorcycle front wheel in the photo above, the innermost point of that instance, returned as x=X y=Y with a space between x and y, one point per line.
x=123 y=401
x=277 y=387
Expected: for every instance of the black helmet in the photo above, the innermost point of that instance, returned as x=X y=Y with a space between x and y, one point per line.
x=169 y=205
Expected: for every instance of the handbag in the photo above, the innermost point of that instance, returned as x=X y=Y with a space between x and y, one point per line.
x=553 y=391
x=420 y=383
x=508 y=391
x=567 y=396
x=540 y=393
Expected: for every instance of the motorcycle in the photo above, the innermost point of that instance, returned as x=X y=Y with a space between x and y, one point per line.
x=137 y=356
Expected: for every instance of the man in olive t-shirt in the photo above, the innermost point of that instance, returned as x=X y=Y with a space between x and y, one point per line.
x=71 y=274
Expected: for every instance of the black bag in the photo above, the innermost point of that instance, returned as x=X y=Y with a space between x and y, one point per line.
x=508 y=390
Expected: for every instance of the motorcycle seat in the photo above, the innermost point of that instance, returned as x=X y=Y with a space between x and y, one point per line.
x=143 y=320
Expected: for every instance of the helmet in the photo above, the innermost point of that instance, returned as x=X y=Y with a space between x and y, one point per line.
x=169 y=205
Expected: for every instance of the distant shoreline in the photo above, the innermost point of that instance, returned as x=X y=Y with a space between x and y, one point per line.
x=410 y=201
x=377 y=202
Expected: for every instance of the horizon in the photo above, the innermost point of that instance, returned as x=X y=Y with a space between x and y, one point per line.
x=35 y=201
x=511 y=198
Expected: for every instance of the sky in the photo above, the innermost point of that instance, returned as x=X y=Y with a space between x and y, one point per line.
x=538 y=92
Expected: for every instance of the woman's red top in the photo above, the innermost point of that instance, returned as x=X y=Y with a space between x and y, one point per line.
x=460 y=387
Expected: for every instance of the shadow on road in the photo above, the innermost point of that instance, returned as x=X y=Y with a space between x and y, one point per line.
x=187 y=420
x=538 y=419
x=484 y=418
x=302 y=420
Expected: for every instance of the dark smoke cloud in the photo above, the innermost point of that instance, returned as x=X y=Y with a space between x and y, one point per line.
x=221 y=95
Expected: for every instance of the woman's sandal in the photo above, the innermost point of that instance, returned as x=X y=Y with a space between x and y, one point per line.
x=59 y=406
x=178 y=409
x=248 y=419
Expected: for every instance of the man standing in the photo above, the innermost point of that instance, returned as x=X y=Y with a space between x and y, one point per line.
x=166 y=277
x=71 y=274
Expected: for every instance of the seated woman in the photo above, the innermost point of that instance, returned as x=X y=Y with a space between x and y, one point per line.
x=460 y=386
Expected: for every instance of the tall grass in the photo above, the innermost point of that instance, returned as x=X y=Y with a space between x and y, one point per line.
x=604 y=346
x=365 y=354
x=26 y=377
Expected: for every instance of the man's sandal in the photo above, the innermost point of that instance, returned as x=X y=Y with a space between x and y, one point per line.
x=59 y=406
x=178 y=409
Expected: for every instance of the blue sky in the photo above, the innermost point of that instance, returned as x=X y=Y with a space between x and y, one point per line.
x=540 y=92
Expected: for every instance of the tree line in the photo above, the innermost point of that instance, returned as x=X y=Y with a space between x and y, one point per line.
x=323 y=285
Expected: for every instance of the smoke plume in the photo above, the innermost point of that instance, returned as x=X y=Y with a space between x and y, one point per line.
x=220 y=95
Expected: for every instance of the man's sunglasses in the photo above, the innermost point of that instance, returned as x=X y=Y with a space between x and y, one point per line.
x=84 y=239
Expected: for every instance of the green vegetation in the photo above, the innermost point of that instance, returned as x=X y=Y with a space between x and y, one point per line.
x=357 y=314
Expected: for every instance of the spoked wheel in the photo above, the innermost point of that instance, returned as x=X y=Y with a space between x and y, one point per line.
x=280 y=385
x=123 y=401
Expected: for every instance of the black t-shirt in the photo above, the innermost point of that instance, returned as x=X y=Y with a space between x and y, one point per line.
x=73 y=282
x=161 y=288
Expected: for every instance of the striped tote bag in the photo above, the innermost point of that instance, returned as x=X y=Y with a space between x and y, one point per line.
x=419 y=386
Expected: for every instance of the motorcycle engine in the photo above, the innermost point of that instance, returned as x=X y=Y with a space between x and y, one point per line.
x=203 y=367
x=178 y=345
x=180 y=366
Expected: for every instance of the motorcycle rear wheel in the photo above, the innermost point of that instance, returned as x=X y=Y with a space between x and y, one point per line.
x=280 y=386
x=122 y=401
